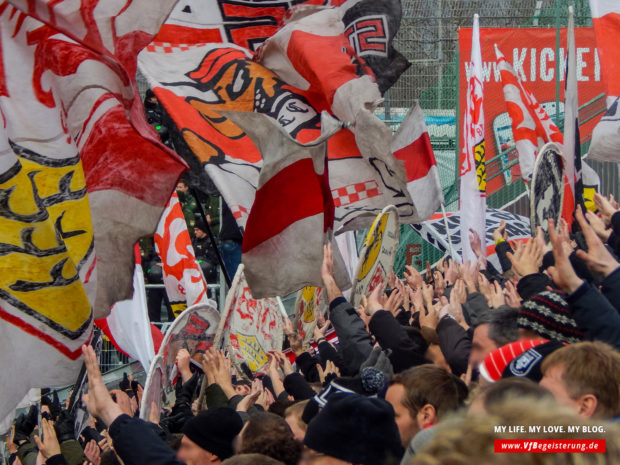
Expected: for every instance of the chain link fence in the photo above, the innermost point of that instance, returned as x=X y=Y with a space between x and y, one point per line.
x=428 y=37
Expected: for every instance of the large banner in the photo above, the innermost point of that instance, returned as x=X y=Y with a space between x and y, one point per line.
x=531 y=51
x=434 y=231
x=377 y=256
x=249 y=328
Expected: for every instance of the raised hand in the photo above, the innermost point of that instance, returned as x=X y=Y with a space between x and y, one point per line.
x=249 y=400
x=330 y=369
x=98 y=400
x=598 y=225
x=562 y=274
x=374 y=300
x=394 y=302
x=321 y=329
x=500 y=232
x=218 y=367
x=527 y=258
x=511 y=295
x=497 y=295
x=123 y=401
x=451 y=273
x=485 y=287
x=470 y=275
x=429 y=317
x=49 y=446
x=413 y=277
x=476 y=245
x=605 y=207
x=92 y=452
x=183 y=360
x=598 y=259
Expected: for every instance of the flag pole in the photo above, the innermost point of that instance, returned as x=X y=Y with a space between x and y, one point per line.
x=211 y=238
x=445 y=222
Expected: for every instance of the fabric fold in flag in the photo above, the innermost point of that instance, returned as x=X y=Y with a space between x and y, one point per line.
x=364 y=175
x=371 y=27
x=531 y=126
x=292 y=214
x=412 y=145
x=74 y=145
x=183 y=279
x=472 y=205
x=605 y=145
x=571 y=147
x=128 y=326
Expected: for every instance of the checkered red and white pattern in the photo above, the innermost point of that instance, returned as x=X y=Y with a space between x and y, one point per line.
x=238 y=211
x=355 y=192
x=167 y=47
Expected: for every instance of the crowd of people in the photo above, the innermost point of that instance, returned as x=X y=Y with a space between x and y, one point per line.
x=433 y=370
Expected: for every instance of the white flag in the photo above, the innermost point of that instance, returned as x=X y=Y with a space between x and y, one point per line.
x=473 y=169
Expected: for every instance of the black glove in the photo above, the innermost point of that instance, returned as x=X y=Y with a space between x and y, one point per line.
x=124 y=383
x=24 y=426
x=55 y=407
x=64 y=427
x=90 y=433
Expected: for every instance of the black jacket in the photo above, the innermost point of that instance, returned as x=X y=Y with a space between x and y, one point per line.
x=594 y=314
x=610 y=287
x=614 y=238
x=532 y=284
x=405 y=353
x=354 y=342
x=501 y=250
x=136 y=444
x=455 y=344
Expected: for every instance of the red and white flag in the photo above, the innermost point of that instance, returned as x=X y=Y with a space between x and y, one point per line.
x=606 y=23
x=292 y=216
x=571 y=148
x=531 y=126
x=412 y=145
x=605 y=145
x=128 y=326
x=183 y=279
x=83 y=174
x=364 y=176
x=473 y=169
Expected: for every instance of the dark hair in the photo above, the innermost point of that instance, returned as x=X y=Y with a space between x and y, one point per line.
x=503 y=328
x=269 y=434
x=280 y=406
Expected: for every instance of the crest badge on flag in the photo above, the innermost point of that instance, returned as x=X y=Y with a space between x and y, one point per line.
x=75 y=146
x=307 y=306
x=249 y=327
x=378 y=254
